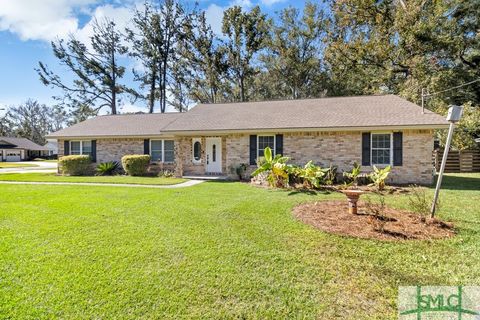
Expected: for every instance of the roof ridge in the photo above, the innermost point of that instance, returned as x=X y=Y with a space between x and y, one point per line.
x=138 y=114
x=302 y=99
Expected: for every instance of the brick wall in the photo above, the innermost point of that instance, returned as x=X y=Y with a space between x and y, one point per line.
x=112 y=149
x=338 y=148
x=342 y=149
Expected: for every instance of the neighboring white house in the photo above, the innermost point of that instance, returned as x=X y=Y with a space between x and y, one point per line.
x=18 y=149
x=51 y=147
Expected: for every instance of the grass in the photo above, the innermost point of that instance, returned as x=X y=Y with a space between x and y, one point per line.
x=16 y=165
x=53 y=177
x=212 y=251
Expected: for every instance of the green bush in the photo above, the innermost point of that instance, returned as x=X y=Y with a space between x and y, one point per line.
x=76 y=165
x=136 y=164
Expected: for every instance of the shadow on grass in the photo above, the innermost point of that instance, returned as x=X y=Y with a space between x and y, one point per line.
x=309 y=192
x=459 y=183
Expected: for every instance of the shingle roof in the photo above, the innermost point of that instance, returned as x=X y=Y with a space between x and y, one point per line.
x=338 y=112
x=22 y=143
x=324 y=113
x=119 y=125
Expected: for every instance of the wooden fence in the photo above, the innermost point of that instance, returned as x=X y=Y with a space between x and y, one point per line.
x=458 y=161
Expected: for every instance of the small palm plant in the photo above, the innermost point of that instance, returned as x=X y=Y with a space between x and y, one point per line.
x=107 y=168
x=352 y=176
x=378 y=177
x=276 y=168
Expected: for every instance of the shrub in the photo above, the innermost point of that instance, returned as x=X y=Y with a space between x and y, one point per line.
x=378 y=177
x=352 y=176
x=420 y=202
x=76 y=165
x=166 y=174
x=378 y=219
x=276 y=168
x=311 y=174
x=330 y=175
x=107 y=168
x=240 y=171
x=136 y=164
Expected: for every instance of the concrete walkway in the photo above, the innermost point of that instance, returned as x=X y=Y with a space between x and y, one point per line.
x=188 y=183
x=40 y=166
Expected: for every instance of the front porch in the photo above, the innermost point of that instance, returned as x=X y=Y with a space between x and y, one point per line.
x=201 y=157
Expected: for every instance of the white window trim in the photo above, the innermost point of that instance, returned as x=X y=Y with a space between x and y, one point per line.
x=81 y=146
x=391 y=149
x=163 y=150
x=194 y=140
x=274 y=143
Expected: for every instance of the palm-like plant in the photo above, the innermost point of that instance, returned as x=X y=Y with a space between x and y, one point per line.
x=107 y=168
x=352 y=176
x=276 y=168
x=378 y=177
x=312 y=175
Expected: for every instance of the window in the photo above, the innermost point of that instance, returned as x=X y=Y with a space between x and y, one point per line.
x=169 y=151
x=156 y=150
x=263 y=142
x=214 y=153
x=81 y=147
x=381 y=148
x=197 y=150
x=75 y=147
x=162 y=150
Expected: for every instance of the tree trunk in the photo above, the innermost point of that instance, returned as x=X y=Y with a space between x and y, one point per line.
x=242 y=89
x=151 y=98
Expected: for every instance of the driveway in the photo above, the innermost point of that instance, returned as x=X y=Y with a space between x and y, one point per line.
x=40 y=166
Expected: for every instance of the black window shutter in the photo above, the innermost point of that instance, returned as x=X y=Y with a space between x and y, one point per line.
x=253 y=149
x=365 y=148
x=146 y=146
x=279 y=144
x=397 y=148
x=94 y=150
x=66 y=147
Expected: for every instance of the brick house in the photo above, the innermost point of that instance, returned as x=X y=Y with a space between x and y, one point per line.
x=216 y=138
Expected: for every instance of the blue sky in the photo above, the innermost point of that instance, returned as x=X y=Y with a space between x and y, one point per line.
x=28 y=26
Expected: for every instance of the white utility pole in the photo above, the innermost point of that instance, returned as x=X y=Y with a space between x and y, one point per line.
x=454 y=115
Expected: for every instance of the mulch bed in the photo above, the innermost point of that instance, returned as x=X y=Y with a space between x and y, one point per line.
x=394 y=225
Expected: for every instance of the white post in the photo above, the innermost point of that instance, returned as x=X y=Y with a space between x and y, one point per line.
x=442 y=168
x=454 y=115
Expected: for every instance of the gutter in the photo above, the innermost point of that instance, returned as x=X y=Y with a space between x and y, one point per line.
x=168 y=134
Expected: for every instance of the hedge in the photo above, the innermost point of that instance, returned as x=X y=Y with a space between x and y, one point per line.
x=76 y=165
x=136 y=164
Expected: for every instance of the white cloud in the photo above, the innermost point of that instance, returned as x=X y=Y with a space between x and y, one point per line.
x=120 y=15
x=131 y=108
x=48 y=19
x=40 y=20
x=246 y=4
x=271 y=2
x=214 y=15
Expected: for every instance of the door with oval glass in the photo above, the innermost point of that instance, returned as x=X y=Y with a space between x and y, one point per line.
x=214 y=155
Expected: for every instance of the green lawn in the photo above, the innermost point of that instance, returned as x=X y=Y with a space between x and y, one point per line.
x=212 y=251
x=52 y=177
x=16 y=165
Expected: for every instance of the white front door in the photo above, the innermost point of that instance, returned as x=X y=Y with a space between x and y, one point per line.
x=214 y=155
